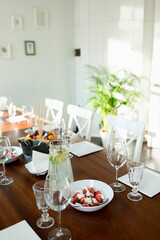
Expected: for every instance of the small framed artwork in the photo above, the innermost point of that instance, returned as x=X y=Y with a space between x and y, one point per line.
x=16 y=22
x=41 y=18
x=5 y=50
x=77 y=52
x=30 y=48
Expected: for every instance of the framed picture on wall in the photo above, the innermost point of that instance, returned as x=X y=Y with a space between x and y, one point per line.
x=5 y=50
x=41 y=18
x=16 y=22
x=30 y=47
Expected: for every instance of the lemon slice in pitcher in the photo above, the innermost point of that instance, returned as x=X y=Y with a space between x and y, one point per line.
x=62 y=157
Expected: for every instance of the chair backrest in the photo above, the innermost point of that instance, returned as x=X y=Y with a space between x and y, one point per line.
x=54 y=108
x=134 y=129
x=83 y=119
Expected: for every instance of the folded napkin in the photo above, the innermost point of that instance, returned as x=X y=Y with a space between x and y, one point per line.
x=83 y=148
x=16 y=119
x=19 y=231
x=39 y=163
x=150 y=184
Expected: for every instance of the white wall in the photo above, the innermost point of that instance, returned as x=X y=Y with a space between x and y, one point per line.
x=50 y=73
x=117 y=34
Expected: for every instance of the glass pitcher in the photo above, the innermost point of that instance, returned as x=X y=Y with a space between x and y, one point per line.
x=59 y=159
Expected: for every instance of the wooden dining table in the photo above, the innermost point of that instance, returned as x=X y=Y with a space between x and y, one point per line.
x=121 y=219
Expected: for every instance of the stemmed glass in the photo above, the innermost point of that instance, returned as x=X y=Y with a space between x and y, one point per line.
x=117 y=157
x=135 y=172
x=27 y=111
x=33 y=122
x=1 y=174
x=45 y=221
x=5 y=153
x=60 y=126
x=12 y=111
x=57 y=195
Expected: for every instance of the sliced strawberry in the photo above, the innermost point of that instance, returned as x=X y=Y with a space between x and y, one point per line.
x=98 y=198
x=97 y=192
x=86 y=204
x=82 y=200
x=84 y=191
x=94 y=204
x=75 y=199
x=75 y=195
x=91 y=189
x=90 y=195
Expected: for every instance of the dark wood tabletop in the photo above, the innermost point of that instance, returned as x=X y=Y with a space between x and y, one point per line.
x=121 y=219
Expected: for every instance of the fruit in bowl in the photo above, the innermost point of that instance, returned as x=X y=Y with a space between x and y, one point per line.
x=90 y=195
x=45 y=137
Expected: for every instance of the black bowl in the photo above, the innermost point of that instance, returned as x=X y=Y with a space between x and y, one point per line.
x=34 y=145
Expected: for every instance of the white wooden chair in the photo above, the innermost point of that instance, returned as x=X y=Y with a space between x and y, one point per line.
x=83 y=119
x=134 y=130
x=54 y=109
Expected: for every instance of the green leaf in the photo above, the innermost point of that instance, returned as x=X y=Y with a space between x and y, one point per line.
x=105 y=89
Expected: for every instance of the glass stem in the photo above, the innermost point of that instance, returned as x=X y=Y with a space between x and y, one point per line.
x=59 y=222
x=134 y=190
x=4 y=170
x=117 y=176
x=28 y=123
x=45 y=216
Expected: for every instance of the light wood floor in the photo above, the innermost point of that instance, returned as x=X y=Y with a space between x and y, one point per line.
x=151 y=157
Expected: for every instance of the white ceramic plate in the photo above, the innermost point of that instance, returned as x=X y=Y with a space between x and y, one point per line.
x=19 y=152
x=104 y=188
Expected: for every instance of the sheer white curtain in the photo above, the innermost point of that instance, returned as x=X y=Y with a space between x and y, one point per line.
x=154 y=105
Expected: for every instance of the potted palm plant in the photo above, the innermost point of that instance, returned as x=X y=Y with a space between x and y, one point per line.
x=109 y=91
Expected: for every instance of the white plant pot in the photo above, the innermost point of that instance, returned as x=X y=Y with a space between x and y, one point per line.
x=104 y=138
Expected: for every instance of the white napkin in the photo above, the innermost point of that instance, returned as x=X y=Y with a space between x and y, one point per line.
x=19 y=231
x=83 y=148
x=150 y=184
x=15 y=119
x=39 y=162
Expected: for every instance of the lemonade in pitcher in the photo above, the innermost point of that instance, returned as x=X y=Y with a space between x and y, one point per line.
x=59 y=160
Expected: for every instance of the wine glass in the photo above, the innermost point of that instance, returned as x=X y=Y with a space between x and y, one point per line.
x=33 y=122
x=135 y=172
x=1 y=174
x=117 y=157
x=57 y=195
x=3 y=105
x=60 y=126
x=5 y=153
x=27 y=111
x=11 y=111
x=45 y=221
